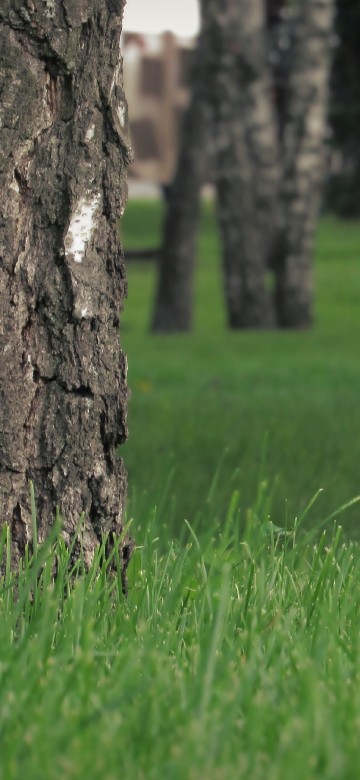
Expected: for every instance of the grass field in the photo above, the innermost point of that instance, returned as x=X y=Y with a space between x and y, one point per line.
x=236 y=654
x=276 y=406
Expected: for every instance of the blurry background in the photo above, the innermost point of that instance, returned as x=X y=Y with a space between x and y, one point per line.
x=270 y=416
x=157 y=50
x=179 y=16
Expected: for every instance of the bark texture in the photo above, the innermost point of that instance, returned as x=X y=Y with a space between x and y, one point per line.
x=63 y=152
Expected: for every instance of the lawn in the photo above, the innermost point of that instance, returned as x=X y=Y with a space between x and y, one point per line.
x=236 y=653
x=280 y=407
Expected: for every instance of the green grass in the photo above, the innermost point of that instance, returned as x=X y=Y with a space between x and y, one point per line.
x=277 y=405
x=235 y=655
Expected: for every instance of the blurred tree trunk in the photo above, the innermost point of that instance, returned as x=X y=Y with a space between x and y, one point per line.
x=63 y=150
x=267 y=177
x=174 y=296
x=303 y=162
x=247 y=157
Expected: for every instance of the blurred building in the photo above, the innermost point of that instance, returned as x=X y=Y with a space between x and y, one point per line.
x=157 y=72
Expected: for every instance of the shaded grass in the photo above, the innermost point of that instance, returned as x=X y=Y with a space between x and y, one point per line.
x=278 y=404
x=235 y=655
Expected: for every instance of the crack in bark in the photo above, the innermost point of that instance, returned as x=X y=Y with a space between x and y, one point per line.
x=13 y=470
x=29 y=39
x=83 y=391
x=105 y=442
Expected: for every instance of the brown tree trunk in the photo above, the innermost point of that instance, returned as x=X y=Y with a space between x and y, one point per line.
x=303 y=159
x=174 y=297
x=63 y=151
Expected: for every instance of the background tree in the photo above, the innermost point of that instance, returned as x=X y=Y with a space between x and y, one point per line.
x=267 y=164
x=303 y=158
x=246 y=157
x=174 y=299
x=63 y=150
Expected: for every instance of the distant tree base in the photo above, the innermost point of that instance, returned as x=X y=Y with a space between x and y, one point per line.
x=142 y=254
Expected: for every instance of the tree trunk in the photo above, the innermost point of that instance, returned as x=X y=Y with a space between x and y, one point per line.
x=260 y=118
x=229 y=87
x=247 y=169
x=267 y=181
x=303 y=160
x=63 y=150
x=174 y=297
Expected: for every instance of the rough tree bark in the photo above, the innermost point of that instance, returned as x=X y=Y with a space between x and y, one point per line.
x=63 y=152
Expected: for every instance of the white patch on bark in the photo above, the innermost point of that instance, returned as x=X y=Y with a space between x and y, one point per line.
x=50 y=8
x=121 y=112
x=81 y=228
x=14 y=185
x=90 y=133
x=116 y=77
x=315 y=122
